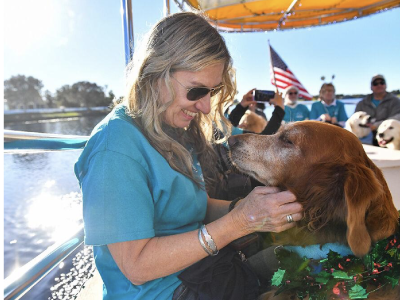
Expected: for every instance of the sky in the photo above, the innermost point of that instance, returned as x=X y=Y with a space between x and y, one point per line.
x=65 y=41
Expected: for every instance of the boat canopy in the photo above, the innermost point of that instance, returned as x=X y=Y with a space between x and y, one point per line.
x=266 y=15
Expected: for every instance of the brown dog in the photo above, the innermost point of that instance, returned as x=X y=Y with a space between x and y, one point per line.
x=344 y=195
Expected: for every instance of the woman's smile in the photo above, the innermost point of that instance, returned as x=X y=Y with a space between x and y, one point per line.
x=182 y=111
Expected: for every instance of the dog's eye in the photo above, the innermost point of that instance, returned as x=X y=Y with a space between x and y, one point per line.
x=286 y=140
x=391 y=127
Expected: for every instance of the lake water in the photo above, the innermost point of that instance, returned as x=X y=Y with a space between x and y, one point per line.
x=42 y=201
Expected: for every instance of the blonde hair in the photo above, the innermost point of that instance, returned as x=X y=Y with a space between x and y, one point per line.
x=180 y=42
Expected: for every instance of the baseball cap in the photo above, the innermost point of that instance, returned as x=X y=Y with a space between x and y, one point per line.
x=378 y=76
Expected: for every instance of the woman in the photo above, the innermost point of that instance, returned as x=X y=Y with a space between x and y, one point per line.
x=144 y=198
x=293 y=110
x=328 y=109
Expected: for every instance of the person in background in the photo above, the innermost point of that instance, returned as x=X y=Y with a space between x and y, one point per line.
x=293 y=110
x=145 y=206
x=380 y=105
x=248 y=101
x=258 y=108
x=328 y=109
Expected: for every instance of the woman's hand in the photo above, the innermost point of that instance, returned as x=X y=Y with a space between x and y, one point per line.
x=248 y=99
x=278 y=100
x=326 y=118
x=266 y=209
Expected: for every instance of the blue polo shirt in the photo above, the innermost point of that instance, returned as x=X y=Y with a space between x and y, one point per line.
x=335 y=110
x=130 y=192
x=298 y=113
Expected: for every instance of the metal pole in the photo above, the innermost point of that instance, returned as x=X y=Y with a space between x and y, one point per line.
x=167 y=9
x=272 y=67
x=127 y=23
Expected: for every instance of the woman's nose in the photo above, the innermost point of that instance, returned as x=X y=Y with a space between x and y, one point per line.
x=204 y=104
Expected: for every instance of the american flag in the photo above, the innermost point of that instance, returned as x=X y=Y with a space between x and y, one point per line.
x=282 y=77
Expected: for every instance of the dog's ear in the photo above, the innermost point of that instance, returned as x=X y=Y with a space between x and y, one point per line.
x=361 y=188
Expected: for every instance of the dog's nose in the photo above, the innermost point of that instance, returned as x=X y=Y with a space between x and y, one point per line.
x=381 y=135
x=232 y=141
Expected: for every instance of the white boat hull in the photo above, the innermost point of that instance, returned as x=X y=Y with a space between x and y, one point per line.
x=389 y=162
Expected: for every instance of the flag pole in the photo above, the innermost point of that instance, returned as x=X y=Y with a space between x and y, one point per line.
x=272 y=66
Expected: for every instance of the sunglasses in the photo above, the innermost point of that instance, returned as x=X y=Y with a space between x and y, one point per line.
x=377 y=82
x=196 y=93
x=292 y=93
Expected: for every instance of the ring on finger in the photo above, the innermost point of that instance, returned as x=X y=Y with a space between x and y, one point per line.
x=289 y=218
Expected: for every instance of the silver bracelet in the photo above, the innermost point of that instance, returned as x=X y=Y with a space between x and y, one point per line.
x=202 y=242
x=209 y=240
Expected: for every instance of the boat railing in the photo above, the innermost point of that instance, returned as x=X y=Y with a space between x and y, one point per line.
x=27 y=276
x=19 y=142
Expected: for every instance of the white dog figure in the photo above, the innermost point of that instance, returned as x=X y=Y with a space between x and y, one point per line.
x=358 y=124
x=388 y=134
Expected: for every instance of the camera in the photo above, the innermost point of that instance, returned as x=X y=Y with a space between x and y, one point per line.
x=263 y=95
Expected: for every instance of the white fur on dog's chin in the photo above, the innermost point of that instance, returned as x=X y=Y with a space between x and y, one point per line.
x=241 y=166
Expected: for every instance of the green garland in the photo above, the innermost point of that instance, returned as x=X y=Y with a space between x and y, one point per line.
x=345 y=276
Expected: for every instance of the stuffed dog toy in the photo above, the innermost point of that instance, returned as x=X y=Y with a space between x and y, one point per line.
x=252 y=122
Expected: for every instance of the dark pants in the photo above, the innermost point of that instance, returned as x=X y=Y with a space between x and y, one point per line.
x=263 y=263
x=183 y=293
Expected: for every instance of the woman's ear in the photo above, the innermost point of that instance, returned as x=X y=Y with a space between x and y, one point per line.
x=361 y=188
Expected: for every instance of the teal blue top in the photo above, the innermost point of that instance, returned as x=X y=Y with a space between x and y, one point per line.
x=375 y=102
x=338 y=111
x=298 y=113
x=236 y=131
x=129 y=193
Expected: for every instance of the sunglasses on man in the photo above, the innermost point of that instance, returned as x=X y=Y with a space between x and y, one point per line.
x=196 y=93
x=378 y=82
x=292 y=93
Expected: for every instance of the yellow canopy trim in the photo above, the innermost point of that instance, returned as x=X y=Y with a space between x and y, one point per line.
x=266 y=15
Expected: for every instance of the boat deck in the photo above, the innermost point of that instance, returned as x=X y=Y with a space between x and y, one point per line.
x=93 y=289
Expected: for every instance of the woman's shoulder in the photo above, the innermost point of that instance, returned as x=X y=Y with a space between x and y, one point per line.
x=316 y=104
x=116 y=137
x=116 y=132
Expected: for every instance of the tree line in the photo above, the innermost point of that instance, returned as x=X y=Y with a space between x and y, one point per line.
x=26 y=92
x=22 y=91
